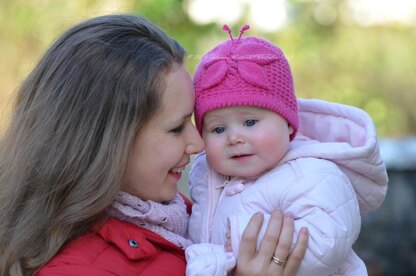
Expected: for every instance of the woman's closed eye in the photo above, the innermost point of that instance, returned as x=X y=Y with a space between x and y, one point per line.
x=250 y=122
x=178 y=130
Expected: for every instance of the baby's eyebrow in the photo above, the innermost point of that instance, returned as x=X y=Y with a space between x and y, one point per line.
x=215 y=120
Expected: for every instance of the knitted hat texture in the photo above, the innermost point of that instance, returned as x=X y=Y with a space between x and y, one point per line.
x=246 y=72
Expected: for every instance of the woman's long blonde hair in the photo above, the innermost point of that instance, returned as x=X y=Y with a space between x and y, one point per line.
x=65 y=151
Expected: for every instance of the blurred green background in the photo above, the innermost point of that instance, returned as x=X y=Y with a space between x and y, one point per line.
x=358 y=52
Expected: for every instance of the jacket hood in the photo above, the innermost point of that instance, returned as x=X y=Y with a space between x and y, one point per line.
x=346 y=136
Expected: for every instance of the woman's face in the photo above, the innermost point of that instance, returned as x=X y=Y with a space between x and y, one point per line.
x=162 y=148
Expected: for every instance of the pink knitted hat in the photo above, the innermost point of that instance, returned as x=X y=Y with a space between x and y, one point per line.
x=246 y=71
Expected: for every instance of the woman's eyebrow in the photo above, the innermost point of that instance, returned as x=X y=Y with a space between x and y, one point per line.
x=183 y=118
x=188 y=115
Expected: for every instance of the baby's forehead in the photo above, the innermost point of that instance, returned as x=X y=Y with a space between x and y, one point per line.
x=222 y=112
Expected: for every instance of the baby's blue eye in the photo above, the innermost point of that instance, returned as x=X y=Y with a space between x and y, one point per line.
x=250 y=122
x=219 y=130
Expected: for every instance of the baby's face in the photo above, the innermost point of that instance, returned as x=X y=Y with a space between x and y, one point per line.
x=245 y=141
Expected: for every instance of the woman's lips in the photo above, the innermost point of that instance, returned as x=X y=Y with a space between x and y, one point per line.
x=176 y=175
x=177 y=172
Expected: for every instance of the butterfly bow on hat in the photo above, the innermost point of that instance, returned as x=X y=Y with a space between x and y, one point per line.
x=248 y=57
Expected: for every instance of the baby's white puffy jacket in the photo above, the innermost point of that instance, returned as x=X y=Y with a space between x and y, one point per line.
x=332 y=174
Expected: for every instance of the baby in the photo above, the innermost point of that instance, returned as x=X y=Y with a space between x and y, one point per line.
x=248 y=115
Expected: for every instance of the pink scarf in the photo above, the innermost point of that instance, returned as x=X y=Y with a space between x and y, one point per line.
x=167 y=220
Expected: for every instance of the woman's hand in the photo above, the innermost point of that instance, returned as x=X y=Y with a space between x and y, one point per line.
x=274 y=256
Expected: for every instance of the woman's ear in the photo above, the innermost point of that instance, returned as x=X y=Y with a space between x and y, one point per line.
x=290 y=129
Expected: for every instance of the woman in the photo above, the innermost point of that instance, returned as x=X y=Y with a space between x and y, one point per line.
x=100 y=136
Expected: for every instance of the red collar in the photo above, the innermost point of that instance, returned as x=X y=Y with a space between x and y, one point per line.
x=134 y=241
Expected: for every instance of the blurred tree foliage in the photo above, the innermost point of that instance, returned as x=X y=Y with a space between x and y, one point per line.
x=336 y=60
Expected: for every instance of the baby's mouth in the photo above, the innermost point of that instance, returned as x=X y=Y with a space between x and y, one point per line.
x=237 y=156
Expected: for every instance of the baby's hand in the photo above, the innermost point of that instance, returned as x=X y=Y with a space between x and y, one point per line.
x=228 y=246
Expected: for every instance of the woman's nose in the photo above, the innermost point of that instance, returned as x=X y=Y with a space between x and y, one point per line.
x=195 y=142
